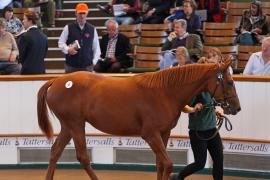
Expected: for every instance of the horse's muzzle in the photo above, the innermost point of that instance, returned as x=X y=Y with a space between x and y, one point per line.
x=235 y=111
x=230 y=110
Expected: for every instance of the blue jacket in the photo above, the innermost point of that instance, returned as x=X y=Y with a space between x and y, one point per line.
x=33 y=46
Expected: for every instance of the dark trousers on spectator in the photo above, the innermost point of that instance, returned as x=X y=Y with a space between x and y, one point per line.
x=10 y=68
x=107 y=67
x=70 y=69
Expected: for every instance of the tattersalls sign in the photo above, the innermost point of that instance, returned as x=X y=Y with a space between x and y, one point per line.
x=133 y=142
x=4 y=142
x=247 y=147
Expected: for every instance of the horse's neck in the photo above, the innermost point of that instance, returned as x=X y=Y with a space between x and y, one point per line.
x=184 y=94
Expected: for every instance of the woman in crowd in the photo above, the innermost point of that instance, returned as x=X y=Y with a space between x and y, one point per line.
x=253 y=24
x=193 y=20
x=8 y=51
x=33 y=46
x=13 y=25
x=182 y=56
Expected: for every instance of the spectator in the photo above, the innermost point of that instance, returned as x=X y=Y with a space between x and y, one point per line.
x=246 y=38
x=259 y=62
x=47 y=7
x=8 y=51
x=114 y=48
x=79 y=42
x=59 y=6
x=203 y=136
x=212 y=7
x=182 y=56
x=13 y=25
x=156 y=11
x=33 y=46
x=253 y=21
x=180 y=37
x=188 y=13
x=176 y=11
x=131 y=9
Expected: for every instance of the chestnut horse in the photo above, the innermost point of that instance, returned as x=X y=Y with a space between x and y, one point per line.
x=146 y=105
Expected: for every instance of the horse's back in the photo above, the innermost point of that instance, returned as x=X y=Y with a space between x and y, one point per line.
x=70 y=89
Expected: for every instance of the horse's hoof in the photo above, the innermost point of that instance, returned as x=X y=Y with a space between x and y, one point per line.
x=173 y=177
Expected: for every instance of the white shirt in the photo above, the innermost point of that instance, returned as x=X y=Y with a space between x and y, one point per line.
x=256 y=65
x=30 y=27
x=64 y=47
x=184 y=36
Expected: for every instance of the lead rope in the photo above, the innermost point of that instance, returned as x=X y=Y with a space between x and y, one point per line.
x=220 y=120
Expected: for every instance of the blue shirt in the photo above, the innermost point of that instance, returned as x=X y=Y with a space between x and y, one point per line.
x=256 y=65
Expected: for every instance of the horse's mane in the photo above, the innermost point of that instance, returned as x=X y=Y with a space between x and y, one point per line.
x=174 y=77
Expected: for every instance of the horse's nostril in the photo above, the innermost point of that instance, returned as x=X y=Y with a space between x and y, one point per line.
x=239 y=109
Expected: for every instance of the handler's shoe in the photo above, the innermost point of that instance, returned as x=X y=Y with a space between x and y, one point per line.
x=174 y=177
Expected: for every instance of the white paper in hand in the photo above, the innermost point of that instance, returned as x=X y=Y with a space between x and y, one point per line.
x=75 y=44
x=118 y=10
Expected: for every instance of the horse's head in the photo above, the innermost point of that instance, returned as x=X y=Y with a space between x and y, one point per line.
x=222 y=88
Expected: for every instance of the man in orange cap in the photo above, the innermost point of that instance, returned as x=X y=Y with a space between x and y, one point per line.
x=79 y=42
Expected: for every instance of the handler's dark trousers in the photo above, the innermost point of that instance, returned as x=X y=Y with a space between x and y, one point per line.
x=199 y=148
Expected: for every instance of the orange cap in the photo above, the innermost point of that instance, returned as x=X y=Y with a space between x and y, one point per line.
x=82 y=8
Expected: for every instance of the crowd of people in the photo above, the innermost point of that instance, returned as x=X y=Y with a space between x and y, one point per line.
x=84 y=51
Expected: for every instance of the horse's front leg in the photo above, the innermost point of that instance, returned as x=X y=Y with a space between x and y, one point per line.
x=160 y=168
x=163 y=161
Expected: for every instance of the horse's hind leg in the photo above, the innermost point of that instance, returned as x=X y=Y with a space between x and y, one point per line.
x=156 y=143
x=61 y=141
x=78 y=136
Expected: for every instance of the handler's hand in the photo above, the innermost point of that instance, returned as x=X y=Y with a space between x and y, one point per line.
x=219 y=113
x=198 y=107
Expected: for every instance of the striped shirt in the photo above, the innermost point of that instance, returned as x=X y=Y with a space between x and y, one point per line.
x=111 y=47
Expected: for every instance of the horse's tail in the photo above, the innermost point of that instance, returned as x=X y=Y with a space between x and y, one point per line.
x=42 y=111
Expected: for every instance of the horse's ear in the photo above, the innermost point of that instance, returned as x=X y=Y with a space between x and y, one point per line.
x=227 y=62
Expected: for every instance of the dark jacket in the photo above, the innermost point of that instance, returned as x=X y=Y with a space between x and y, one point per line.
x=85 y=37
x=33 y=46
x=193 y=23
x=121 y=49
x=261 y=23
